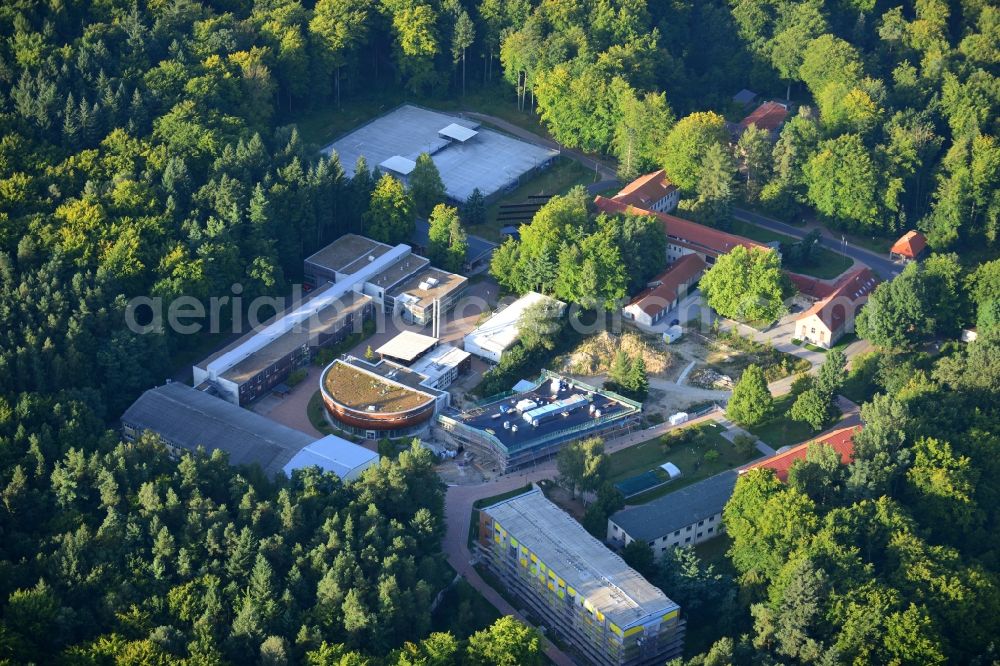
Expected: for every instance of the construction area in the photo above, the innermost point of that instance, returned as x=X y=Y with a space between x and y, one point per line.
x=466 y=155
x=531 y=422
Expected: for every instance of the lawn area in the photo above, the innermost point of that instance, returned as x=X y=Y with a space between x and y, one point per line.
x=685 y=448
x=463 y=611
x=316 y=412
x=828 y=264
x=845 y=342
x=781 y=430
x=558 y=178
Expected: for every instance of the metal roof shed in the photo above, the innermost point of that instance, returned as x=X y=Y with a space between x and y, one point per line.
x=333 y=454
x=398 y=164
x=408 y=346
x=457 y=132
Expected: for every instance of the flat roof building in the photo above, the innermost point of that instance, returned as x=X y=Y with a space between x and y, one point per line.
x=682 y=518
x=467 y=156
x=352 y=277
x=185 y=419
x=263 y=358
x=442 y=365
x=603 y=608
x=376 y=400
x=500 y=331
x=402 y=281
x=407 y=347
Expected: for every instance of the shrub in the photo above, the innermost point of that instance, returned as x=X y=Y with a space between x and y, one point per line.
x=744 y=444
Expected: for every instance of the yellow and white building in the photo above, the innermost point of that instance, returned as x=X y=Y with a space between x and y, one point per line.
x=580 y=589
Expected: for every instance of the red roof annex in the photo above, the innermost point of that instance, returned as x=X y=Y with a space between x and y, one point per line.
x=646 y=189
x=653 y=299
x=704 y=239
x=841 y=440
x=854 y=289
x=910 y=245
x=768 y=116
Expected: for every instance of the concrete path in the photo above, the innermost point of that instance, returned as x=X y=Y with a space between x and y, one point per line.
x=693 y=393
x=880 y=263
x=684 y=373
x=733 y=431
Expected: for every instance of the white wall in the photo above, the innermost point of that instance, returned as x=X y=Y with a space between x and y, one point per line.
x=469 y=344
x=689 y=535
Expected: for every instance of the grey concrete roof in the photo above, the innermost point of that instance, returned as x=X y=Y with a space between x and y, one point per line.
x=187 y=418
x=670 y=513
x=588 y=566
x=487 y=160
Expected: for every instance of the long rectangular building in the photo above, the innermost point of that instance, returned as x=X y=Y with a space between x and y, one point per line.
x=185 y=419
x=684 y=236
x=352 y=277
x=682 y=518
x=588 y=595
x=500 y=331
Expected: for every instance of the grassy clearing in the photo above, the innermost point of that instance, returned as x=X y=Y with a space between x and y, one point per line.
x=685 y=448
x=845 y=342
x=827 y=265
x=558 y=178
x=782 y=430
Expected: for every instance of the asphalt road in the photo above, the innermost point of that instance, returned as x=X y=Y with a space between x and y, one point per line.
x=881 y=264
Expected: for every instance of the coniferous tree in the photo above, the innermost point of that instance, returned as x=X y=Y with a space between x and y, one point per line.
x=751 y=402
x=426 y=186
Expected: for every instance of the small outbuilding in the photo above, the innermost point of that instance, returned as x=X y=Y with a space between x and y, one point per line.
x=671 y=469
x=333 y=454
x=909 y=247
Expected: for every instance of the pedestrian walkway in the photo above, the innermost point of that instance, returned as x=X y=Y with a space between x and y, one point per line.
x=733 y=431
x=685 y=373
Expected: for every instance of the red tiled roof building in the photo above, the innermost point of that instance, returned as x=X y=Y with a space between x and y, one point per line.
x=842 y=441
x=684 y=236
x=665 y=291
x=828 y=319
x=653 y=192
x=909 y=247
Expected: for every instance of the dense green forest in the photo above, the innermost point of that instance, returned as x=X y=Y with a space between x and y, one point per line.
x=150 y=148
